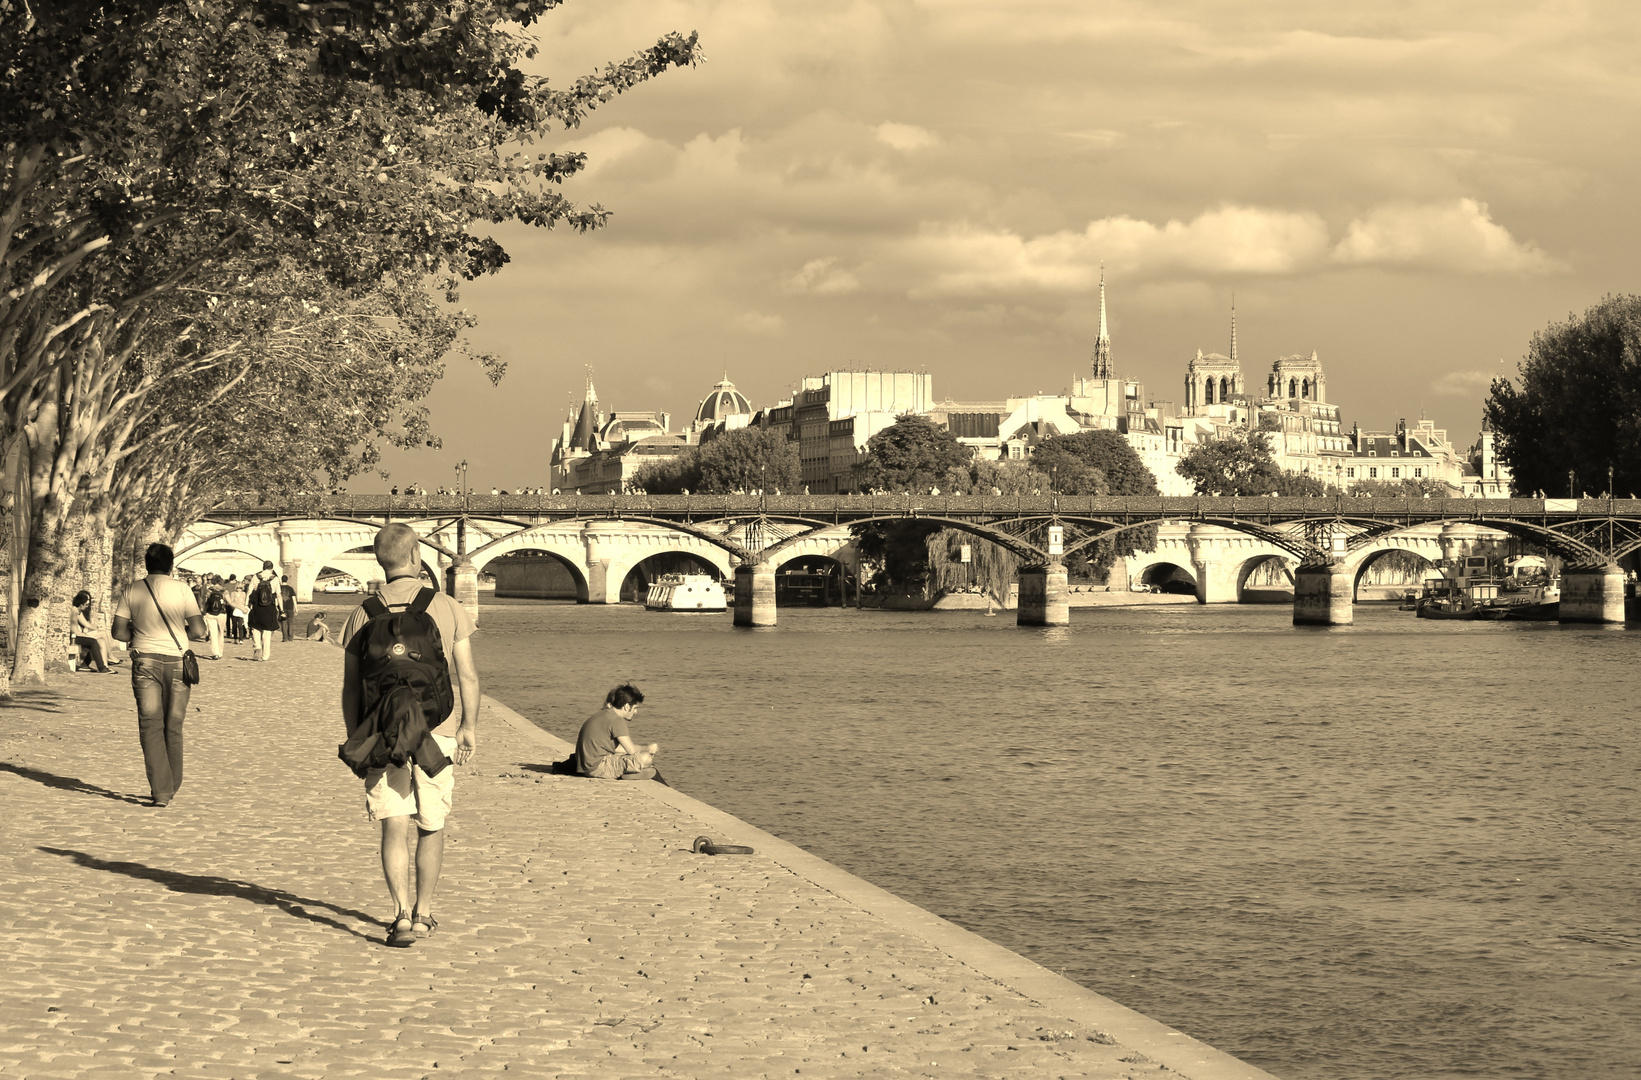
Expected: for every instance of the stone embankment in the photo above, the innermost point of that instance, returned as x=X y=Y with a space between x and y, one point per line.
x=239 y=932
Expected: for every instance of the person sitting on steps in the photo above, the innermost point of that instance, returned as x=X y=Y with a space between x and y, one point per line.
x=604 y=748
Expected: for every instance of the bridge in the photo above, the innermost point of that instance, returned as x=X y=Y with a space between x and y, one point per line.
x=601 y=538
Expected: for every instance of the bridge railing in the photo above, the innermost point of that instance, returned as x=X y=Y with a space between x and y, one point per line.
x=851 y=507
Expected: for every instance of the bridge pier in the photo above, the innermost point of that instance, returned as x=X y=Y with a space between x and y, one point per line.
x=1324 y=595
x=755 y=595
x=1592 y=594
x=1045 y=599
x=463 y=583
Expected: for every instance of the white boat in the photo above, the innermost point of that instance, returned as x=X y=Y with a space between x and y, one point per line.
x=686 y=592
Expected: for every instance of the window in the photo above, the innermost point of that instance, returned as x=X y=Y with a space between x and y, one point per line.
x=1373 y=453
x=1418 y=472
x=1373 y=474
x=1395 y=474
x=1350 y=474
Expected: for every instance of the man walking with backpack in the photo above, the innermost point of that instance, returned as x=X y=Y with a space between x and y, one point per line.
x=410 y=648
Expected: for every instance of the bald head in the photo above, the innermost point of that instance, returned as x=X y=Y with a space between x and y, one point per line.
x=396 y=548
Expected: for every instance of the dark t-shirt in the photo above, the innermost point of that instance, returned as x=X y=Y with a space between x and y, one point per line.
x=599 y=738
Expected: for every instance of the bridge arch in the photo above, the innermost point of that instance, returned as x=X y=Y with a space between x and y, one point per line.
x=515 y=577
x=1252 y=566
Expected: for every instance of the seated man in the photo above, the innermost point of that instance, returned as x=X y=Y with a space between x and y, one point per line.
x=317 y=630
x=605 y=750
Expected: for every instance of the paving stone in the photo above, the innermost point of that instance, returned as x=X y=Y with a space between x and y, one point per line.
x=239 y=932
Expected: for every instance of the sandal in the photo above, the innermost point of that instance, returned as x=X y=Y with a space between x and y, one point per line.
x=423 y=925
x=403 y=933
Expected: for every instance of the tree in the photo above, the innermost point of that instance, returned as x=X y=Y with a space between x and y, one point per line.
x=1062 y=471
x=912 y=454
x=158 y=156
x=1236 y=464
x=1108 y=451
x=1410 y=488
x=746 y=459
x=749 y=459
x=1578 y=407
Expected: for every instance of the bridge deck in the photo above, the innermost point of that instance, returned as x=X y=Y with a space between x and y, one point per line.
x=846 y=508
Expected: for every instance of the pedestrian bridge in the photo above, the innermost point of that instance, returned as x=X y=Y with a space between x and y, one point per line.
x=599 y=539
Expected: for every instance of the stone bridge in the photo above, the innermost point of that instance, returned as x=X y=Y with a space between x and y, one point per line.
x=1325 y=544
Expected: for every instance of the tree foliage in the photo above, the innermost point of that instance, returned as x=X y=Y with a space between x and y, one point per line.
x=746 y=459
x=1578 y=406
x=1241 y=463
x=1108 y=451
x=161 y=160
x=913 y=454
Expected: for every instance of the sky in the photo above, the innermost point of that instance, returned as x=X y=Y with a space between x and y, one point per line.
x=1410 y=189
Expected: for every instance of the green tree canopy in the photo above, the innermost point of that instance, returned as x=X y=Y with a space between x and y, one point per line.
x=912 y=454
x=1578 y=406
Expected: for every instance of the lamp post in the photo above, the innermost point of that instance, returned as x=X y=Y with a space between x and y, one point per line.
x=461 y=480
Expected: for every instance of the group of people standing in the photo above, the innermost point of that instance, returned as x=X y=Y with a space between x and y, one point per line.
x=255 y=607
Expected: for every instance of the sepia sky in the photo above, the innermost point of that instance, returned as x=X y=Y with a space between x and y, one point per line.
x=1410 y=189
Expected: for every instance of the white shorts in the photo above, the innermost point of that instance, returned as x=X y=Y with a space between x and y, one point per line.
x=406 y=791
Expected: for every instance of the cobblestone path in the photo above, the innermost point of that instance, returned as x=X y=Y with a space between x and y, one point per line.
x=239 y=931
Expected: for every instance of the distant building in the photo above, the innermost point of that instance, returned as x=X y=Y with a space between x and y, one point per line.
x=596 y=455
x=832 y=416
x=723 y=409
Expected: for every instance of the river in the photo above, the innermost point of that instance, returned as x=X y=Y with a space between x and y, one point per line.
x=1403 y=849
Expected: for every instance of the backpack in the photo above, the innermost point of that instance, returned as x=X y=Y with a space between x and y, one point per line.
x=264 y=593
x=404 y=689
x=214 y=604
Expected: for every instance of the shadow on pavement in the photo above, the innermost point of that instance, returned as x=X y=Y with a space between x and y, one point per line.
x=35 y=700
x=68 y=783
x=213 y=885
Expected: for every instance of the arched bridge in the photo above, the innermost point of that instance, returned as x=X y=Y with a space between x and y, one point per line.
x=1329 y=537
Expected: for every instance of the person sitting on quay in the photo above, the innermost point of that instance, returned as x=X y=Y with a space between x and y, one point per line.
x=87 y=638
x=604 y=748
x=317 y=630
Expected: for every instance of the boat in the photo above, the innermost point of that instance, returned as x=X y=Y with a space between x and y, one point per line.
x=1476 y=590
x=686 y=592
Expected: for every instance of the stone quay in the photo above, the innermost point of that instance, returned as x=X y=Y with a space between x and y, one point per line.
x=239 y=932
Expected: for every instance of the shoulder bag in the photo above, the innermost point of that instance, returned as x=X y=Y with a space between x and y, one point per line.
x=190 y=662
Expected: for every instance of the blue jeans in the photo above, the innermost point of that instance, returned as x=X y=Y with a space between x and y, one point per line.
x=162 y=703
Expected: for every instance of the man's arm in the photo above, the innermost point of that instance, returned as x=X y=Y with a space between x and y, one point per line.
x=196 y=628
x=350 y=691
x=121 y=629
x=628 y=747
x=467 y=676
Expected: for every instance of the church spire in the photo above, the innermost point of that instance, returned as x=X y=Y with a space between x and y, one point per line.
x=1102 y=344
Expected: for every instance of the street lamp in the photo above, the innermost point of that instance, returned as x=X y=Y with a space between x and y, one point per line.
x=461 y=477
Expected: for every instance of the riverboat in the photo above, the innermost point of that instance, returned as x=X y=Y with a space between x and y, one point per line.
x=1525 y=589
x=686 y=592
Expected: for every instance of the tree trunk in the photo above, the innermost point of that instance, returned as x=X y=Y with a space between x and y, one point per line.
x=53 y=545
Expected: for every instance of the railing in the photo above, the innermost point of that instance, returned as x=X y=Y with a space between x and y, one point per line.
x=855 y=507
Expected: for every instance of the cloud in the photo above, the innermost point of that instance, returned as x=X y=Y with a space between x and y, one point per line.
x=905 y=137
x=760 y=325
x=1459 y=236
x=1236 y=240
x=822 y=277
x=1463 y=383
x=1229 y=241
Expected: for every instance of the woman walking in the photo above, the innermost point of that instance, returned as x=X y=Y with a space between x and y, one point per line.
x=264 y=611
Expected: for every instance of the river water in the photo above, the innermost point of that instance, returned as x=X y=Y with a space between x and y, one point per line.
x=1401 y=849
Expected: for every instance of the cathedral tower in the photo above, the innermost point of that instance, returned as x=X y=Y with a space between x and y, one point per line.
x=1102 y=344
